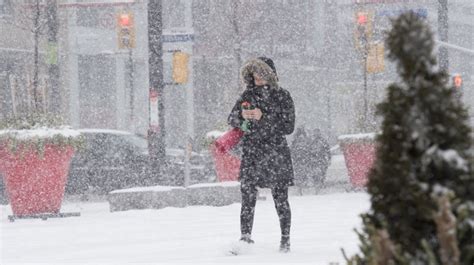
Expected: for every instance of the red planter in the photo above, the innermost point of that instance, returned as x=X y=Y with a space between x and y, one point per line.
x=35 y=183
x=227 y=165
x=359 y=154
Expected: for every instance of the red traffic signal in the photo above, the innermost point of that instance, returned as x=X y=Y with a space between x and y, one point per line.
x=125 y=30
x=362 y=18
x=124 y=20
x=457 y=81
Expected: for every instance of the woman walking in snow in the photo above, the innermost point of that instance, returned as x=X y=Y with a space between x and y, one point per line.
x=266 y=113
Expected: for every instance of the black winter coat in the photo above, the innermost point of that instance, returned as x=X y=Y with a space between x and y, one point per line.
x=266 y=158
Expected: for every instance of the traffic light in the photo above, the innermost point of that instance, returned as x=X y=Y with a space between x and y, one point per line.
x=362 y=18
x=125 y=30
x=180 y=67
x=457 y=81
x=363 y=30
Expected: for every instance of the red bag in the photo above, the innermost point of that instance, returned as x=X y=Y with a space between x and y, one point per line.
x=228 y=140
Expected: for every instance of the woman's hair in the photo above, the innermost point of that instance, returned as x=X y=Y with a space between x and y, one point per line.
x=270 y=63
x=261 y=68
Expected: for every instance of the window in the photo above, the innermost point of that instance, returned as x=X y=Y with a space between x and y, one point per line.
x=88 y=17
x=174 y=14
x=95 y=17
x=5 y=7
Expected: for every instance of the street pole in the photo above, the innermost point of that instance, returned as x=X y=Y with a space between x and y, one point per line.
x=36 y=34
x=156 y=131
x=132 y=92
x=366 y=105
x=443 y=33
x=53 y=67
x=189 y=98
x=235 y=5
x=328 y=99
x=189 y=125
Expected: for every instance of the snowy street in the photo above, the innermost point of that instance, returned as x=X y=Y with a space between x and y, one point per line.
x=321 y=225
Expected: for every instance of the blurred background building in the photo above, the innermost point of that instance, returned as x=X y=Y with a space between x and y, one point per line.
x=316 y=46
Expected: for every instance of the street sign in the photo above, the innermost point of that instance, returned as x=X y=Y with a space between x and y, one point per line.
x=180 y=67
x=375 y=58
x=154 y=122
x=178 y=37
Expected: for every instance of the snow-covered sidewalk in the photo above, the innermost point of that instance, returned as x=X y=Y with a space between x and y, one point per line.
x=322 y=224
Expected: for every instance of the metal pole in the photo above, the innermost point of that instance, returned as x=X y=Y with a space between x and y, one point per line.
x=156 y=133
x=132 y=92
x=189 y=131
x=366 y=105
x=189 y=99
x=328 y=103
x=235 y=5
x=36 y=33
x=443 y=33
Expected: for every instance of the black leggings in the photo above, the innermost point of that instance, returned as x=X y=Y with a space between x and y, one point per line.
x=247 y=212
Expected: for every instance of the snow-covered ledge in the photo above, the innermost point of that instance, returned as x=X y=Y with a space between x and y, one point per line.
x=214 y=194
x=157 y=197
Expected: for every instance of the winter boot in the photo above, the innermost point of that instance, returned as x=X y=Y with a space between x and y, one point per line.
x=246 y=238
x=243 y=246
x=285 y=244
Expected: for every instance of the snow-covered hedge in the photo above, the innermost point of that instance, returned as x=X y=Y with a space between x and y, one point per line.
x=211 y=137
x=357 y=138
x=37 y=131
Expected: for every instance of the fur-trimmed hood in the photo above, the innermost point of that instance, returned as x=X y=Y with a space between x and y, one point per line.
x=261 y=68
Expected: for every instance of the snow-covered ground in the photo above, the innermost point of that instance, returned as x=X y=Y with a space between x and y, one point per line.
x=322 y=224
